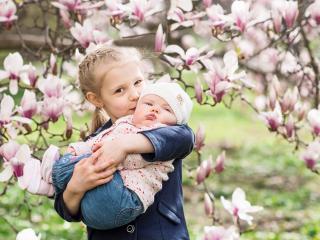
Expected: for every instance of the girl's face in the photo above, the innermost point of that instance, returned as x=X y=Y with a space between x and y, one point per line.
x=153 y=109
x=120 y=88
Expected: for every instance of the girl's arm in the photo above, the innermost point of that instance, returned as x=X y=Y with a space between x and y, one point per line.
x=160 y=144
x=172 y=142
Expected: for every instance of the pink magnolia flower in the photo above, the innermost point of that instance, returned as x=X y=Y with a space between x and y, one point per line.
x=141 y=9
x=52 y=108
x=49 y=157
x=9 y=150
x=276 y=14
x=53 y=64
x=65 y=17
x=32 y=181
x=239 y=207
x=240 y=13
x=200 y=174
x=69 y=127
x=216 y=16
x=311 y=155
x=29 y=104
x=117 y=10
x=83 y=33
x=272 y=98
x=183 y=19
x=290 y=127
x=221 y=79
x=8 y=10
x=220 y=233
x=218 y=86
x=198 y=90
x=314 y=11
x=277 y=86
x=204 y=170
x=189 y=59
x=200 y=136
x=290 y=12
x=6 y=112
x=70 y=5
x=273 y=119
x=289 y=100
x=300 y=110
x=13 y=67
x=314 y=121
x=28 y=233
x=51 y=86
x=268 y=59
x=76 y=5
x=15 y=157
x=160 y=40
x=208 y=206
x=219 y=167
x=29 y=75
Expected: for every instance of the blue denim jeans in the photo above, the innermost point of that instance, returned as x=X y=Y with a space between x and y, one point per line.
x=107 y=206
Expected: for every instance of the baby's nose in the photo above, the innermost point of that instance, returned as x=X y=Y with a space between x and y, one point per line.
x=155 y=109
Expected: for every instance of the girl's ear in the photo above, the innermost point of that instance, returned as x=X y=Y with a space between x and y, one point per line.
x=94 y=99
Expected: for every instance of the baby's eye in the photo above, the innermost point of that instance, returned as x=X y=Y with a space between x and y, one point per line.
x=168 y=110
x=120 y=90
x=149 y=104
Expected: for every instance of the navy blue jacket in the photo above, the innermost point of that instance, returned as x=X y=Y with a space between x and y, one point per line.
x=164 y=219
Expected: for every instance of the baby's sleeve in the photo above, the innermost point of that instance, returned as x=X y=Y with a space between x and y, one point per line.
x=171 y=142
x=80 y=148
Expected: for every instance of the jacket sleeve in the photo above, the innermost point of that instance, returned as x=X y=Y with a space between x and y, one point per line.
x=63 y=211
x=171 y=142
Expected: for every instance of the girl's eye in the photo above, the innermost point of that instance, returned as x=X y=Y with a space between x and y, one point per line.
x=138 y=82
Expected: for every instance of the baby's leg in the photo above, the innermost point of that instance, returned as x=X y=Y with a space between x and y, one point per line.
x=62 y=170
x=110 y=205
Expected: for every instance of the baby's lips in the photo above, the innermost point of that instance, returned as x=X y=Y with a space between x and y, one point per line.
x=151 y=117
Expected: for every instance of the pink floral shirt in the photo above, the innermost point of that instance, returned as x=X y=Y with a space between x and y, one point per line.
x=142 y=177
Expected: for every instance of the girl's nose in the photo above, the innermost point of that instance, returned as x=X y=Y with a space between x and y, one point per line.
x=134 y=95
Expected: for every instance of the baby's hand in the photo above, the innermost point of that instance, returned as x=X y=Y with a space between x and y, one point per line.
x=71 y=150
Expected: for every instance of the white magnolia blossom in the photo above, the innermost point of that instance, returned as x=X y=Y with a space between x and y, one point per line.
x=239 y=207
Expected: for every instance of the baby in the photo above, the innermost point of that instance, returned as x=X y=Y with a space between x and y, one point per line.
x=132 y=189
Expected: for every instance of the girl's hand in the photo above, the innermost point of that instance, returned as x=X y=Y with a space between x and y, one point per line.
x=88 y=175
x=110 y=153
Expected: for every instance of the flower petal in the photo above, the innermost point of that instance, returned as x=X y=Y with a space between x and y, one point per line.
x=6 y=174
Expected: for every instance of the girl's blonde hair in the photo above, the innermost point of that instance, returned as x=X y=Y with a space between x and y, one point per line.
x=88 y=83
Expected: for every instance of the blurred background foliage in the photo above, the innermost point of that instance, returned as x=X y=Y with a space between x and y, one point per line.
x=263 y=165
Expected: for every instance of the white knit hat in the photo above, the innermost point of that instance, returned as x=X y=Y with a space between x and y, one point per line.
x=174 y=95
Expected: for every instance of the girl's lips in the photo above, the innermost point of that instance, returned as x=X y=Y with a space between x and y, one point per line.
x=151 y=116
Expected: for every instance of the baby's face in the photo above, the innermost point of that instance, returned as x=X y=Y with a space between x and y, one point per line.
x=153 y=109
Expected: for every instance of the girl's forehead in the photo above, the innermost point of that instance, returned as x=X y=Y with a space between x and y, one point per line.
x=120 y=73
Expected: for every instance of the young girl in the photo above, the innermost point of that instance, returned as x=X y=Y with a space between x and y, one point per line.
x=132 y=190
x=117 y=74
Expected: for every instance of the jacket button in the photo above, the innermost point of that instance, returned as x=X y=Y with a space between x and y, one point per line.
x=130 y=228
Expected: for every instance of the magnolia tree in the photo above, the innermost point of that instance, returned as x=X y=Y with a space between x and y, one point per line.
x=263 y=53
